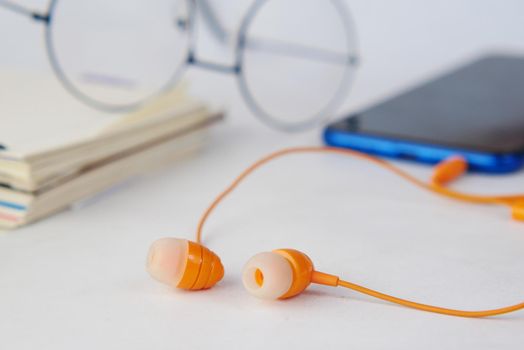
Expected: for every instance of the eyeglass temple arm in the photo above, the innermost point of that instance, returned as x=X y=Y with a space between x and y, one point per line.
x=305 y=52
x=37 y=16
x=208 y=12
x=213 y=22
x=288 y=49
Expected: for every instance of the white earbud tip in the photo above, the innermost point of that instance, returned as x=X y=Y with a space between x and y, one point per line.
x=267 y=275
x=167 y=260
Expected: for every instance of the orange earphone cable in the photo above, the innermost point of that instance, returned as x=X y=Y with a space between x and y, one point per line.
x=429 y=308
x=435 y=187
x=503 y=200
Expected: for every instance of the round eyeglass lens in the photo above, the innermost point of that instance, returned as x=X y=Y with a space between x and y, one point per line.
x=116 y=54
x=297 y=59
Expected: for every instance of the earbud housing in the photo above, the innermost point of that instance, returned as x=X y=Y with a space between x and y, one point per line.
x=184 y=264
x=279 y=274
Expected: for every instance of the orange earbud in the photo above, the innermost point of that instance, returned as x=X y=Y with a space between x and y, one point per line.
x=184 y=264
x=284 y=273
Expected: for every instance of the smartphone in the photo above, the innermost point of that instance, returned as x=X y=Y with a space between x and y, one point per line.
x=476 y=110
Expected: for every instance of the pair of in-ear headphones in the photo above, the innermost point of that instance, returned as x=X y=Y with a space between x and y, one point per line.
x=284 y=273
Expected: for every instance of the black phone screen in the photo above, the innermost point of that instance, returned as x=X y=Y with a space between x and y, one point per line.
x=479 y=106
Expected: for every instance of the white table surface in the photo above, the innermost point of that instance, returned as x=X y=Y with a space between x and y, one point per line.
x=77 y=280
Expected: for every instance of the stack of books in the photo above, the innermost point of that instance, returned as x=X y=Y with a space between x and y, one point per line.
x=54 y=155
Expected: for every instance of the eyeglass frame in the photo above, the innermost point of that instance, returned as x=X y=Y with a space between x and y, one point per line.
x=236 y=68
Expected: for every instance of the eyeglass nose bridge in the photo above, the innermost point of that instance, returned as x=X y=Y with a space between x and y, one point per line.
x=216 y=67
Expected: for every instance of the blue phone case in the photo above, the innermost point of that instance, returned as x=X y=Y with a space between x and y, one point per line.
x=420 y=152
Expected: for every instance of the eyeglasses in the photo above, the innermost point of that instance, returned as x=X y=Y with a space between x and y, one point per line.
x=294 y=59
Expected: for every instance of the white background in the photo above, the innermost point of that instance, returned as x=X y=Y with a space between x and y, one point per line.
x=78 y=281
